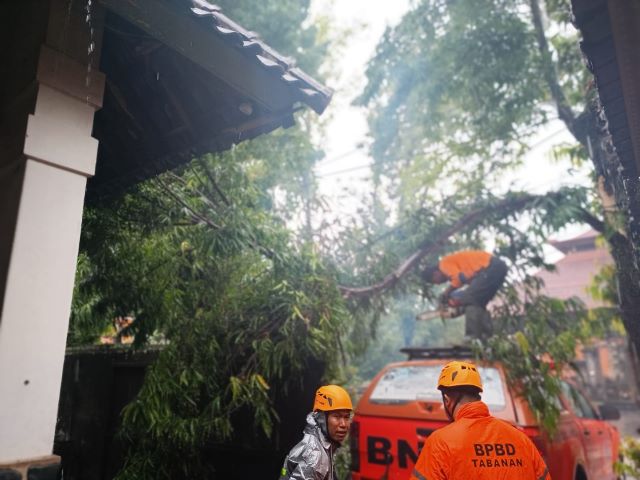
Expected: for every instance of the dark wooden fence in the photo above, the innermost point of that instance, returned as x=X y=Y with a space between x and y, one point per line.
x=99 y=381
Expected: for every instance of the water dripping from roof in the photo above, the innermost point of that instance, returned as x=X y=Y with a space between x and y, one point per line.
x=62 y=39
x=91 y=47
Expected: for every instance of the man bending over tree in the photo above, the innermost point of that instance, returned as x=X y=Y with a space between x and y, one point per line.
x=482 y=274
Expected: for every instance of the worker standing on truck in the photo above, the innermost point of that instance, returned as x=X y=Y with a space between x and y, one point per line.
x=482 y=274
x=327 y=426
x=475 y=445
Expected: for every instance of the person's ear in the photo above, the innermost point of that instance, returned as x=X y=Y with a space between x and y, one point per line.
x=452 y=398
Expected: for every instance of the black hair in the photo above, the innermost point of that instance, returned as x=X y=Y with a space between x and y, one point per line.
x=463 y=391
x=427 y=273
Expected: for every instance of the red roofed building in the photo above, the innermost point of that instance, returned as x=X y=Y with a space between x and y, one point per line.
x=582 y=260
x=602 y=362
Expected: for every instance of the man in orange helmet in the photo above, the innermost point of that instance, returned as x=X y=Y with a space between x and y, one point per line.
x=475 y=445
x=327 y=426
x=474 y=278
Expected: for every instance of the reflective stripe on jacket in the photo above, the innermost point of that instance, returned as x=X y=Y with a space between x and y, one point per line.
x=312 y=457
x=460 y=267
x=480 y=447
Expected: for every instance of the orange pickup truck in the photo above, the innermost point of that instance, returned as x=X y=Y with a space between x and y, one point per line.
x=401 y=407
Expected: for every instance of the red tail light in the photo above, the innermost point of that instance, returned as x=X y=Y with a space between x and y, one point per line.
x=538 y=440
x=354 y=442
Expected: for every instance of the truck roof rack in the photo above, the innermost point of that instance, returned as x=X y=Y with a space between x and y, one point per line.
x=456 y=351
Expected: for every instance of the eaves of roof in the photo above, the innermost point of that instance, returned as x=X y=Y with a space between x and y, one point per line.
x=312 y=92
x=611 y=36
x=183 y=80
x=176 y=22
x=586 y=240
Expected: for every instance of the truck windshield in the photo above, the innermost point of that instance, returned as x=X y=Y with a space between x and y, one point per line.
x=419 y=382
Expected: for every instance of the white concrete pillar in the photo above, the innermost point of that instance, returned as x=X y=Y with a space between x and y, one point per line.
x=60 y=154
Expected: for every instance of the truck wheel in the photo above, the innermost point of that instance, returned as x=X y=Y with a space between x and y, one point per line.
x=580 y=474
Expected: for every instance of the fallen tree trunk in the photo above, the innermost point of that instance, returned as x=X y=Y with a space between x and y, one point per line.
x=468 y=221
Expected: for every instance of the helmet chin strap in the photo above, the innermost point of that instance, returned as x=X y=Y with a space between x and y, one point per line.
x=455 y=405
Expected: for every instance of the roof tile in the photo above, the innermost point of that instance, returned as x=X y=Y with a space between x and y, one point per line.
x=316 y=95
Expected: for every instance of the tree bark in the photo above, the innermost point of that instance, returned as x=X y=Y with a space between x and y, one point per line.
x=616 y=229
x=590 y=130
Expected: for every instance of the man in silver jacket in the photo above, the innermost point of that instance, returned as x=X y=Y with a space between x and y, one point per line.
x=327 y=427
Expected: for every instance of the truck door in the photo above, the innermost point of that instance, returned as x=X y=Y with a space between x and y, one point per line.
x=595 y=438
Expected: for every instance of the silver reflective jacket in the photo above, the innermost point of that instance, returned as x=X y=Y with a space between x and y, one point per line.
x=312 y=457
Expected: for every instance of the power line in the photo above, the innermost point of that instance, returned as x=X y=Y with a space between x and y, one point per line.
x=346 y=170
x=329 y=161
x=362 y=167
x=545 y=139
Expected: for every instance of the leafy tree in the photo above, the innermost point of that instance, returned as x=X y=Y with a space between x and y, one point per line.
x=245 y=307
x=538 y=342
x=247 y=322
x=455 y=92
x=203 y=258
x=536 y=336
x=205 y=255
x=629 y=466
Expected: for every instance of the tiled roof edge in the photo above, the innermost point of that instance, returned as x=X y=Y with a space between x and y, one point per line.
x=309 y=90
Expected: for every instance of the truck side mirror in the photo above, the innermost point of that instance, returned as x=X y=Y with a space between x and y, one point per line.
x=609 y=412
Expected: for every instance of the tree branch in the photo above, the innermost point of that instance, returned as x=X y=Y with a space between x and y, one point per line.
x=191 y=211
x=428 y=247
x=591 y=220
x=214 y=184
x=551 y=76
x=615 y=238
x=205 y=198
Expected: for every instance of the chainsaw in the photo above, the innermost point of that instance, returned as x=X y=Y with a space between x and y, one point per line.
x=443 y=313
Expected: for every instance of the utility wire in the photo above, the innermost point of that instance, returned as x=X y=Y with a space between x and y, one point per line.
x=325 y=162
x=346 y=170
x=362 y=167
x=547 y=138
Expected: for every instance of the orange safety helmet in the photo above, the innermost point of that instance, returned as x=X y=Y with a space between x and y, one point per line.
x=332 y=397
x=459 y=374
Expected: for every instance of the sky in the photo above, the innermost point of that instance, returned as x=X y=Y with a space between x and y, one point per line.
x=342 y=173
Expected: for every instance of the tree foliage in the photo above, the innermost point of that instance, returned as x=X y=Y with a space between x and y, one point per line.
x=246 y=322
x=203 y=259
x=538 y=343
x=207 y=259
x=629 y=464
x=454 y=93
x=241 y=303
x=454 y=76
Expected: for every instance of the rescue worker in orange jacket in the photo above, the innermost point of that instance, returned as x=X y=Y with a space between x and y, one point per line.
x=475 y=445
x=327 y=426
x=474 y=278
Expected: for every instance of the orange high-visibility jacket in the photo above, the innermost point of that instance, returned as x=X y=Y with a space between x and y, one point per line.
x=460 y=267
x=480 y=447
